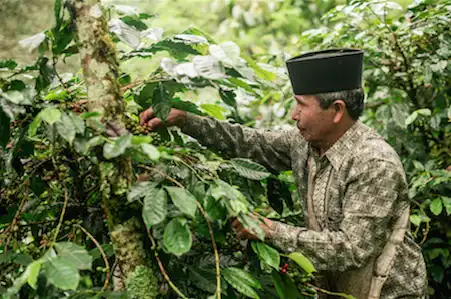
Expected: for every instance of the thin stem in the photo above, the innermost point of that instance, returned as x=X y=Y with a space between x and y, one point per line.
x=55 y=60
x=329 y=292
x=160 y=264
x=60 y=222
x=16 y=217
x=426 y=233
x=105 y=259
x=192 y=169
x=215 y=250
x=22 y=204
x=213 y=242
x=138 y=82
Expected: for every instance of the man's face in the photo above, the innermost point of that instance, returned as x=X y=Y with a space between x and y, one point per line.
x=314 y=122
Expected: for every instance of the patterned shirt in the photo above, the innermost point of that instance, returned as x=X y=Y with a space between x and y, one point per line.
x=357 y=191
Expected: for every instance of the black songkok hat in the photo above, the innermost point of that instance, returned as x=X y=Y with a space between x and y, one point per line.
x=326 y=71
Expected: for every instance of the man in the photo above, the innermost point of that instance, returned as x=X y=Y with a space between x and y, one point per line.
x=351 y=181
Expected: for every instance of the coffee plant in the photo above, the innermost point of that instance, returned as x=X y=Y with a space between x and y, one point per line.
x=95 y=205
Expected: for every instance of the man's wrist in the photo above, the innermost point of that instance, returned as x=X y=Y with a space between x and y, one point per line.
x=271 y=228
x=182 y=119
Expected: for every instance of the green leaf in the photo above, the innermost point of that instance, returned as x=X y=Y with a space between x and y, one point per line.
x=32 y=42
x=190 y=39
x=203 y=278
x=252 y=225
x=134 y=22
x=183 y=200
x=259 y=71
x=146 y=94
x=214 y=110
x=82 y=145
x=17 y=258
x=417 y=219
x=62 y=273
x=126 y=10
x=278 y=192
x=208 y=67
x=214 y=209
x=447 y=203
x=17 y=285
x=57 y=13
x=77 y=122
x=424 y=112
x=108 y=249
x=155 y=207
x=285 y=286
x=140 y=190
x=196 y=31
x=161 y=102
x=242 y=281
x=151 y=151
x=127 y=34
x=241 y=83
x=267 y=254
x=250 y=169
x=75 y=254
x=118 y=147
x=302 y=262
x=436 y=206
x=228 y=97
x=63 y=39
x=228 y=53
x=66 y=128
x=50 y=115
x=4 y=128
x=418 y=165
x=186 y=106
x=8 y=64
x=87 y=115
x=177 y=237
x=56 y=95
x=34 y=125
x=411 y=118
x=136 y=140
x=278 y=284
x=33 y=273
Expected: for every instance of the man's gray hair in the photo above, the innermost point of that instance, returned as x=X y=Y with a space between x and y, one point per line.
x=352 y=98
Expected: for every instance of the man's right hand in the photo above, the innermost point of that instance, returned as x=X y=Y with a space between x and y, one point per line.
x=175 y=118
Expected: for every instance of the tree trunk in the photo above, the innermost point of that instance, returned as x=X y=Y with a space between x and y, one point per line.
x=100 y=68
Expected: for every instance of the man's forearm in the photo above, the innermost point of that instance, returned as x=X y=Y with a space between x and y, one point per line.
x=271 y=149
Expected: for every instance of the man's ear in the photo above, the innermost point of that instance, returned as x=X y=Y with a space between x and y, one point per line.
x=339 y=107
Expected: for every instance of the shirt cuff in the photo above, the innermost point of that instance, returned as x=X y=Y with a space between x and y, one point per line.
x=283 y=236
x=192 y=124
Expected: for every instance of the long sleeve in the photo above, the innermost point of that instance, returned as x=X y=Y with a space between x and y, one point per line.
x=271 y=149
x=373 y=197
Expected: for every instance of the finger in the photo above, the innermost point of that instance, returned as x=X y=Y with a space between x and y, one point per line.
x=243 y=234
x=112 y=133
x=145 y=116
x=237 y=224
x=154 y=123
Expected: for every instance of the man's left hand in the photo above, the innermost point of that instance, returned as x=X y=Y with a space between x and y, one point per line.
x=243 y=233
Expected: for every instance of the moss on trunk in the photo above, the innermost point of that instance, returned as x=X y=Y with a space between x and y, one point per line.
x=100 y=69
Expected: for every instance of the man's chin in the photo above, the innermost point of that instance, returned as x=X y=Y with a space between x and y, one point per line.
x=304 y=134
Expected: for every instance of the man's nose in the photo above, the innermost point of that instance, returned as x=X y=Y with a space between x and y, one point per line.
x=295 y=114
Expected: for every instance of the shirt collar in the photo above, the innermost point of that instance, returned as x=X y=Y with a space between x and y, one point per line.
x=336 y=153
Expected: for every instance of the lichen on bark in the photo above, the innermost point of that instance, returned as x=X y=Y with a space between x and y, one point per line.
x=142 y=284
x=101 y=70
